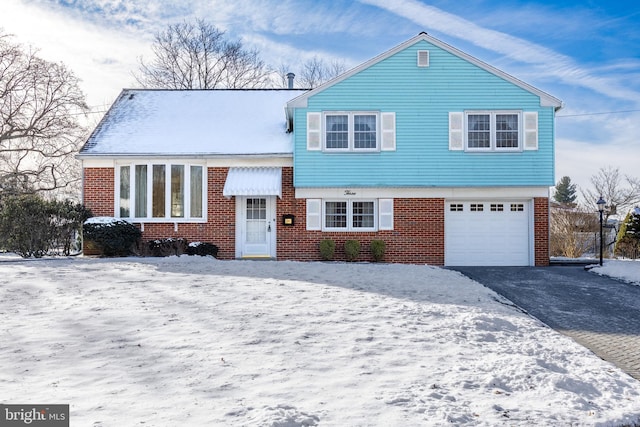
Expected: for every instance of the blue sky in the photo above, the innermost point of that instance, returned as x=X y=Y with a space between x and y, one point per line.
x=587 y=53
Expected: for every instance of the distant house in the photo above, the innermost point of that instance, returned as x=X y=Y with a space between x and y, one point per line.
x=443 y=157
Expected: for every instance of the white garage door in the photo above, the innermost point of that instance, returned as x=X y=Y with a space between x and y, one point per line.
x=487 y=233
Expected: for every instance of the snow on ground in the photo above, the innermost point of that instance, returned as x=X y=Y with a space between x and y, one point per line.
x=196 y=341
x=626 y=270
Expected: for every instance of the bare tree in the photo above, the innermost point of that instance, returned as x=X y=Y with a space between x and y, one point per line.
x=316 y=71
x=620 y=193
x=572 y=230
x=199 y=56
x=40 y=106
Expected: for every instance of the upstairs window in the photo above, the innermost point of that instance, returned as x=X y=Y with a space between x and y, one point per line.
x=493 y=131
x=351 y=132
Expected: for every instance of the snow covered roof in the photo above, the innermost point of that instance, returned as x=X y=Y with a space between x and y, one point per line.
x=202 y=122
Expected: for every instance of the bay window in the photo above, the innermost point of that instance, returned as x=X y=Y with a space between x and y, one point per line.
x=161 y=191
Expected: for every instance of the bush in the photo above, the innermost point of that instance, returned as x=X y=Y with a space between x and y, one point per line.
x=351 y=249
x=32 y=226
x=327 y=249
x=202 y=249
x=377 y=250
x=112 y=236
x=165 y=247
x=68 y=220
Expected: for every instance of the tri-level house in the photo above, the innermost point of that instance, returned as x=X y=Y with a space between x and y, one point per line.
x=445 y=158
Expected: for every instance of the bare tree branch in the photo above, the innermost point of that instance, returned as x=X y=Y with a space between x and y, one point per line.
x=316 y=71
x=39 y=130
x=198 y=56
x=620 y=193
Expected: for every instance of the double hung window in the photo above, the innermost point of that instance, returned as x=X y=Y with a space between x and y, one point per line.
x=351 y=131
x=161 y=191
x=350 y=215
x=493 y=131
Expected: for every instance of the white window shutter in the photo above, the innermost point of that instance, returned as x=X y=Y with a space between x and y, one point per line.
x=531 y=130
x=388 y=131
x=314 y=214
x=385 y=214
x=456 y=131
x=314 y=126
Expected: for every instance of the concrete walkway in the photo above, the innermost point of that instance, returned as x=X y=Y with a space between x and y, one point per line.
x=599 y=313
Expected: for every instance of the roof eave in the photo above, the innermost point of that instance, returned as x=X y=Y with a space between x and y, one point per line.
x=546 y=100
x=87 y=156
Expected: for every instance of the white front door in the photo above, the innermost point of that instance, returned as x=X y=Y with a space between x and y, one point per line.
x=256 y=226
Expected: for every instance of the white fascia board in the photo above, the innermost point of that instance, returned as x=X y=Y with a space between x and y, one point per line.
x=546 y=100
x=459 y=193
x=92 y=162
x=301 y=100
x=210 y=161
x=250 y=162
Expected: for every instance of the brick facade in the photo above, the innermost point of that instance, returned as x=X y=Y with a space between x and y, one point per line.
x=98 y=190
x=417 y=237
x=541 y=231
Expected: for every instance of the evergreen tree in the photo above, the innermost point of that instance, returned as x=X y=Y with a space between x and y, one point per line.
x=633 y=225
x=565 y=191
x=628 y=239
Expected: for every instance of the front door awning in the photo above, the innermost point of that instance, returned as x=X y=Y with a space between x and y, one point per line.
x=253 y=182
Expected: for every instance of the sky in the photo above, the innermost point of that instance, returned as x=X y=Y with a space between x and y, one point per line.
x=586 y=53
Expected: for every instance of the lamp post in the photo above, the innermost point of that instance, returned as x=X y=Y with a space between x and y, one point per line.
x=601 y=204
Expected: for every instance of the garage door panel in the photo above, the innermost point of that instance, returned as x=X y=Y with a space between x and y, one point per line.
x=486 y=233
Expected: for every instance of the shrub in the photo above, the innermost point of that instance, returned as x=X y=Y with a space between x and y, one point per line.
x=33 y=226
x=67 y=220
x=202 y=249
x=351 y=249
x=165 y=247
x=377 y=250
x=25 y=225
x=327 y=249
x=113 y=237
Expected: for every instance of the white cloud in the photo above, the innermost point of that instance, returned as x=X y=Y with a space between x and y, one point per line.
x=101 y=57
x=580 y=159
x=549 y=64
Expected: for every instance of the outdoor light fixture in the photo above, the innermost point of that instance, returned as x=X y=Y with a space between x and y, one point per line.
x=601 y=204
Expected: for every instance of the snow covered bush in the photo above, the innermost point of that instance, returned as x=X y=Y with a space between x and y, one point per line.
x=202 y=249
x=327 y=249
x=377 y=250
x=165 y=247
x=112 y=236
x=351 y=249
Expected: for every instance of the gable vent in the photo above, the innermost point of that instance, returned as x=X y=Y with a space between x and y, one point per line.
x=423 y=58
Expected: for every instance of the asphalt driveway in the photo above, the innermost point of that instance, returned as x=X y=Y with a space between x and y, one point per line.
x=601 y=314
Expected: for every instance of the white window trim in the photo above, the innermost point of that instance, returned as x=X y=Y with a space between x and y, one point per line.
x=492 y=127
x=187 y=192
x=349 y=227
x=351 y=129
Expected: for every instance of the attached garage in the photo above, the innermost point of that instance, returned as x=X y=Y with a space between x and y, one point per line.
x=488 y=233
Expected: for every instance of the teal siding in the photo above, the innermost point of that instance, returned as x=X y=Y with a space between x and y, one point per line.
x=422 y=99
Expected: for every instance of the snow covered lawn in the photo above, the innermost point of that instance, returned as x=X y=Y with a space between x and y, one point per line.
x=195 y=341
